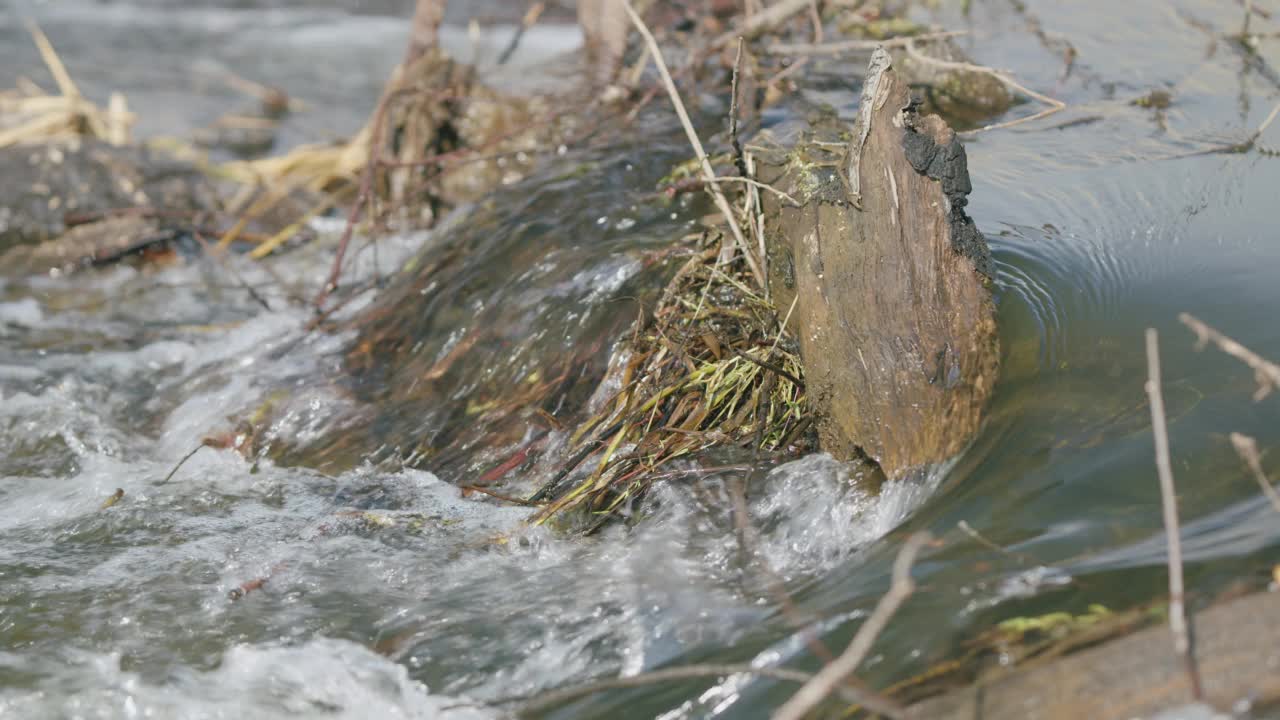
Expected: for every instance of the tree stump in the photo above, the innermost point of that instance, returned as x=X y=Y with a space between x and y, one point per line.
x=889 y=280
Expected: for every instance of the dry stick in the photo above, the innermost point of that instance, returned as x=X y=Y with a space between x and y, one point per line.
x=760 y=186
x=1169 y=501
x=851 y=46
x=738 y=158
x=979 y=538
x=1247 y=448
x=181 y=462
x=530 y=18
x=366 y=189
x=1265 y=372
x=708 y=173
x=553 y=698
x=835 y=672
x=755 y=218
x=222 y=261
x=1054 y=104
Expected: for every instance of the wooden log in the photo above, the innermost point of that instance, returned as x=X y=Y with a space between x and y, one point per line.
x=889 y=280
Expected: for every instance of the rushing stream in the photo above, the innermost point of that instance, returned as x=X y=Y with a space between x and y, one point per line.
x=389 y=594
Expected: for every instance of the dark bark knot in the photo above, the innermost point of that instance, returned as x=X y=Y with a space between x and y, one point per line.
x=949 y=165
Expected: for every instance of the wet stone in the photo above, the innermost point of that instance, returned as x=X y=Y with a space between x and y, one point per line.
x=49 y=187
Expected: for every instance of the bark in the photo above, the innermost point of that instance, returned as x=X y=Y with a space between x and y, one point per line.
x=894 y=318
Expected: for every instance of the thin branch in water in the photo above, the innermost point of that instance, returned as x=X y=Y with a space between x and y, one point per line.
x=1247 y=448
x=1054 y=105
x=708 y=173
x=222 y=261
x=835 y=672
x=1169 y=501
x=1265 y=372
x=181 y=462
x=1241 y=147
x=982 y=540
x=529 y=20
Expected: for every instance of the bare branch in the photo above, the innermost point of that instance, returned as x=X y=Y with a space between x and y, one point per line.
x=708 y=173
x=1266 y=372
x=835 y=672
x=1169 y=501
x=1054 y=104
x=1247 y=448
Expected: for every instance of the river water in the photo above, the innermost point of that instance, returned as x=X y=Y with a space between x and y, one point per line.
x=382 y=592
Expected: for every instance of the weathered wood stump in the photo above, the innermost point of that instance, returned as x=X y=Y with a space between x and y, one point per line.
x=888 y=277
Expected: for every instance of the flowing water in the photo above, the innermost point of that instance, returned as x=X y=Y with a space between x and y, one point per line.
x=382 y=592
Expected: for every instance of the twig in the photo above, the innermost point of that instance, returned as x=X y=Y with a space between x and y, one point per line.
x=738 y=158
x=755 y=218
x=843 y=47
x=66 y=85
x=364 y=196
x=1169 y=501
x=1247 y=448
x=1265 y=372
x=761 y=186
x=766 y=365
x=708 y=173
x=548 y=700
x=1241 y=147
x=979 y=538
x=222 y=261
x=530 y=18
x=1054 y=104
x=835 y=672
x=181 y=462
x=1271 y=117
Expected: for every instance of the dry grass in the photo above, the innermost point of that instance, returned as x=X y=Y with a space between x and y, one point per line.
x=29 y=114
x=710 y=367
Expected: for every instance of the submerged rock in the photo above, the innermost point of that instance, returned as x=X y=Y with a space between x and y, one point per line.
x=46 y=187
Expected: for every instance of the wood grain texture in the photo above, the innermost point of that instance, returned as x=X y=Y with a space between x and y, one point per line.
x=893 y=314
